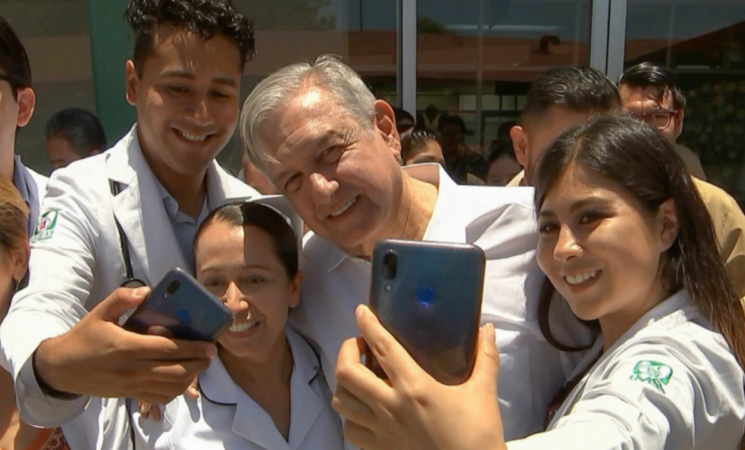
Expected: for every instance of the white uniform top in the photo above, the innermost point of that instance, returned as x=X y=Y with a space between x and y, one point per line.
x=78 y=240
x=670 y=382
x=502 y=222
x=225 y=417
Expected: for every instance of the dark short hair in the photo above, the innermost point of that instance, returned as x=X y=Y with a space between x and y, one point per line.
x=401 y=115
x=647 y=74
x=580 y=89
x=500 y=148
x=14 y=65
x=80 y=128
x=642 y=163
x=452 y=119
x=415 y=142
x=205 y=18
x=251 y=214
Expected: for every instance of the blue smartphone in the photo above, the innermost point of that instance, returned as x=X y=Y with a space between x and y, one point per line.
x=181 y=308
x=428 y=296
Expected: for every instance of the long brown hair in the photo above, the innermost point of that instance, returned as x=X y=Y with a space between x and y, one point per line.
x=637 y=157
x=13 y=217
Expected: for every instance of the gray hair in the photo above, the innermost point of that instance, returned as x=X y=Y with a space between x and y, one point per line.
x=326 y=72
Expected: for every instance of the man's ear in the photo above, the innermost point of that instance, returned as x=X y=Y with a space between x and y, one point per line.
x=26 y=106
x=520 y=144
x=669 y=225
x=131 y=78
x=385 y=122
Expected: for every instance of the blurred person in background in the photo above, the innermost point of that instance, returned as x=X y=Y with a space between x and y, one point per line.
x=73 y=134
x=502 y=165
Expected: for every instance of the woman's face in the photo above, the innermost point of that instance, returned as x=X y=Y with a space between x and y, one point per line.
x=601 y=249
x=239 y=265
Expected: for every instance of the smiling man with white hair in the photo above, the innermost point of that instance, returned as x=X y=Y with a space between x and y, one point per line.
x=325 y=142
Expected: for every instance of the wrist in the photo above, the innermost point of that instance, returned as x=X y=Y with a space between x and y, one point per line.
x=46 y=372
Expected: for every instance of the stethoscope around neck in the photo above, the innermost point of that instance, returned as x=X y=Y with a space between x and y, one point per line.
x=130 y=281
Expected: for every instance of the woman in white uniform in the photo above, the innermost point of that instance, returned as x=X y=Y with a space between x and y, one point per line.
x=627 y=242
x=265 y=388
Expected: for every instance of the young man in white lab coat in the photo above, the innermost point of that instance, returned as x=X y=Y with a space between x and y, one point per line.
x=71 y=362
x=17 y=101
x=323 y=140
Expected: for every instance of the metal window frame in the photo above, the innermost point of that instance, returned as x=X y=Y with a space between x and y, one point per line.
x=607 y=45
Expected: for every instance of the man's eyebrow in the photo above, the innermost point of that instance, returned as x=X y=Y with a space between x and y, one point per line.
x=318 y=140
x=220 y=79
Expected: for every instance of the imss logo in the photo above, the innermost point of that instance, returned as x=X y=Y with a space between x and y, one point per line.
x=45 y=228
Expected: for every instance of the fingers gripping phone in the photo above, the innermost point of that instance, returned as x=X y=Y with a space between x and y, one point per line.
x=181 y=308
x=428 y=296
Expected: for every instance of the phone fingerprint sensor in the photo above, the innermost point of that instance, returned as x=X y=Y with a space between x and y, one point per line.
x=183 y=316
x=425 y=295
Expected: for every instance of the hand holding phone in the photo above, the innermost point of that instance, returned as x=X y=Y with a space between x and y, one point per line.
x=428 y=296
x=181 y=308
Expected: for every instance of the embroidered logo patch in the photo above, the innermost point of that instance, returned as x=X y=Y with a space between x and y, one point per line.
x=654 y=373
x=45 y=228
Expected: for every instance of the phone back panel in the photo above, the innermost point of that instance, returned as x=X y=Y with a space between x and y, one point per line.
x=432 y=304
x=183 y=307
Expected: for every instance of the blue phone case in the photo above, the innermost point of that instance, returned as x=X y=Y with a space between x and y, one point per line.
x=431 y=304
x=181 y=307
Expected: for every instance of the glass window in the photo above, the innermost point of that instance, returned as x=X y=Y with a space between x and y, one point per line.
x=477 y=58
x=362 y=32
x=703 y=42
x=55 y=35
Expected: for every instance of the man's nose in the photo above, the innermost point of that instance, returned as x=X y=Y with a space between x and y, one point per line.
x=323 y=189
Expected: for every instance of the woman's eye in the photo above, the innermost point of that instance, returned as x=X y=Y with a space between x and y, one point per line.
x=544 y=228
x=253 y=280
x=589 y=218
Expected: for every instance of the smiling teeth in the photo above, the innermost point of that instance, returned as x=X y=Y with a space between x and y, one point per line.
x=192 y=137
x=577 y=279
x=344 y=208
x=243 y=326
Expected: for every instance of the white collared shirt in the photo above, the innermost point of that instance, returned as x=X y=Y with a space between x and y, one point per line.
x=670 y=382
x=225 y=417
x=502 y=222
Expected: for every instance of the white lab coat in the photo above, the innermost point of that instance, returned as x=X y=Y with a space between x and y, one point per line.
x=225 y=417
x=80 y=264
x=670 y=382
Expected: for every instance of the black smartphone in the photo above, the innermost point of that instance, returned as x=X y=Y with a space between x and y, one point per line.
x=181 y=308
x=428 y=296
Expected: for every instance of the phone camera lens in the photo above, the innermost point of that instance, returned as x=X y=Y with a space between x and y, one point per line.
x=390 y=265
x=173 y=287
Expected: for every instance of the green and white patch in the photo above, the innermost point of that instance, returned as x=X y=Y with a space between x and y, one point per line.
x=45 y=227
x=653 y=372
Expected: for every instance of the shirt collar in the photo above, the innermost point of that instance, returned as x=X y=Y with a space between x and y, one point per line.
x=441 y=225
x=19 y=180
x=172 y=207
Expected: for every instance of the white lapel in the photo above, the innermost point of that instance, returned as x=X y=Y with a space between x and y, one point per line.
x=138 y=207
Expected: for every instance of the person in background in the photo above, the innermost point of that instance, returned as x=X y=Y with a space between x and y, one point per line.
x=558 y=99
x=265 y=389
x=429 y=119
x=502 y=165
x=124 y=218
x=324 y=141
x=460 y=161
x=17 y=102
x=650 y=92
x=253 y=177
x=421 y=146
x=14 y=253
x=73 y=134
x=626 y=240
x=405 y=122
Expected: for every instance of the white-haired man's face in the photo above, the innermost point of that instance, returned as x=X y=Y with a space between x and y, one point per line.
x=343 y=179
